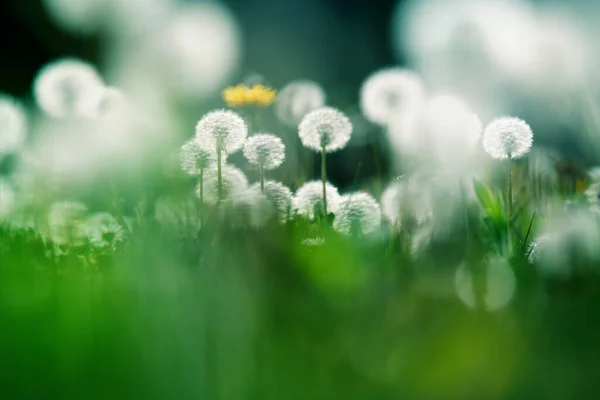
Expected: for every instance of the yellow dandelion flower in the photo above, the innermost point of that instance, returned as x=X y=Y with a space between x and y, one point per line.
x=241 y=95
x=262 y=96
x=236 y=96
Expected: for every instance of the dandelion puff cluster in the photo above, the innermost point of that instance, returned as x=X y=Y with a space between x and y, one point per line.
x=103 y=230
x=223 y=130
x=80 y=16
x=67 y=87
x=280 y=196
x=507 y=137
x=297 y=99
x=194 y=158
x=13 y=125
x=357 y=213
x=233 y=180
x=388 y=92
x=66 y=223
x=265 y=150
x=249 y=203
x=326 y=127
x=310 y=197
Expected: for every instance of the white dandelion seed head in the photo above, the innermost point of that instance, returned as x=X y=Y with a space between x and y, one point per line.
x=233 y=180
x=103 y=230
x=222 y=129
x=193 y=158
x=250 y=203
x=310 y=197
x=280 y=196
x=388 y=92
x=507 y=137
x=13 y=125
x=66 y=223
x=297 y=99
x=593 y=193
x=7 y=200
x=264 y=150
x=501 y=285
x=67 y=87
x=357 y=213
x=327 y=127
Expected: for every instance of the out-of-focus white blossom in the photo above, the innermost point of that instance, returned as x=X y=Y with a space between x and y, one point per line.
x=309 y=197
x=280 y=197
x=391 y=91
x=103 y=230
x=66 y=223
x=233 y=180
x=264 y=150
x=197 y=49
x=507 y=137
x=13 y=125
x=68 y=88
x=79 y=16
x=358 y=213
x=567 y=242
x=249 y=203
x=297 y=99
x=326 y=127
x=500 y=285
x=221 y=130
x=7 y=200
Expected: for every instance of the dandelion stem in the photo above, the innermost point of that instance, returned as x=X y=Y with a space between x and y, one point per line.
x=510 y=199
x=262 y=178
x=324 y=179
x=201 y=207
x=219 y=174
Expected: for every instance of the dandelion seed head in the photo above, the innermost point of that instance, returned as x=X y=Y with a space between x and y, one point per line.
x=389 y=92
x=297 y=99
x=280 y=196
x=233 y=180
x=507 y=137
x=111 y=104
x=450 y=121
x=66 y=223
x=501 y=285
x=67 y=87
x=357 y=213
x=7 y=200
x=222 y=129
x=13 y=125
x=309 y=198
x=193 y=158
x=103 y=230
x=264 y=150
x=326 y=127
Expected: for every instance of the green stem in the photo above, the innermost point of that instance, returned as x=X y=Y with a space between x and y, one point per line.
x=324 y=178
x=262 y=178
x=219 y=174
x=201 y=197
x=510 y=199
